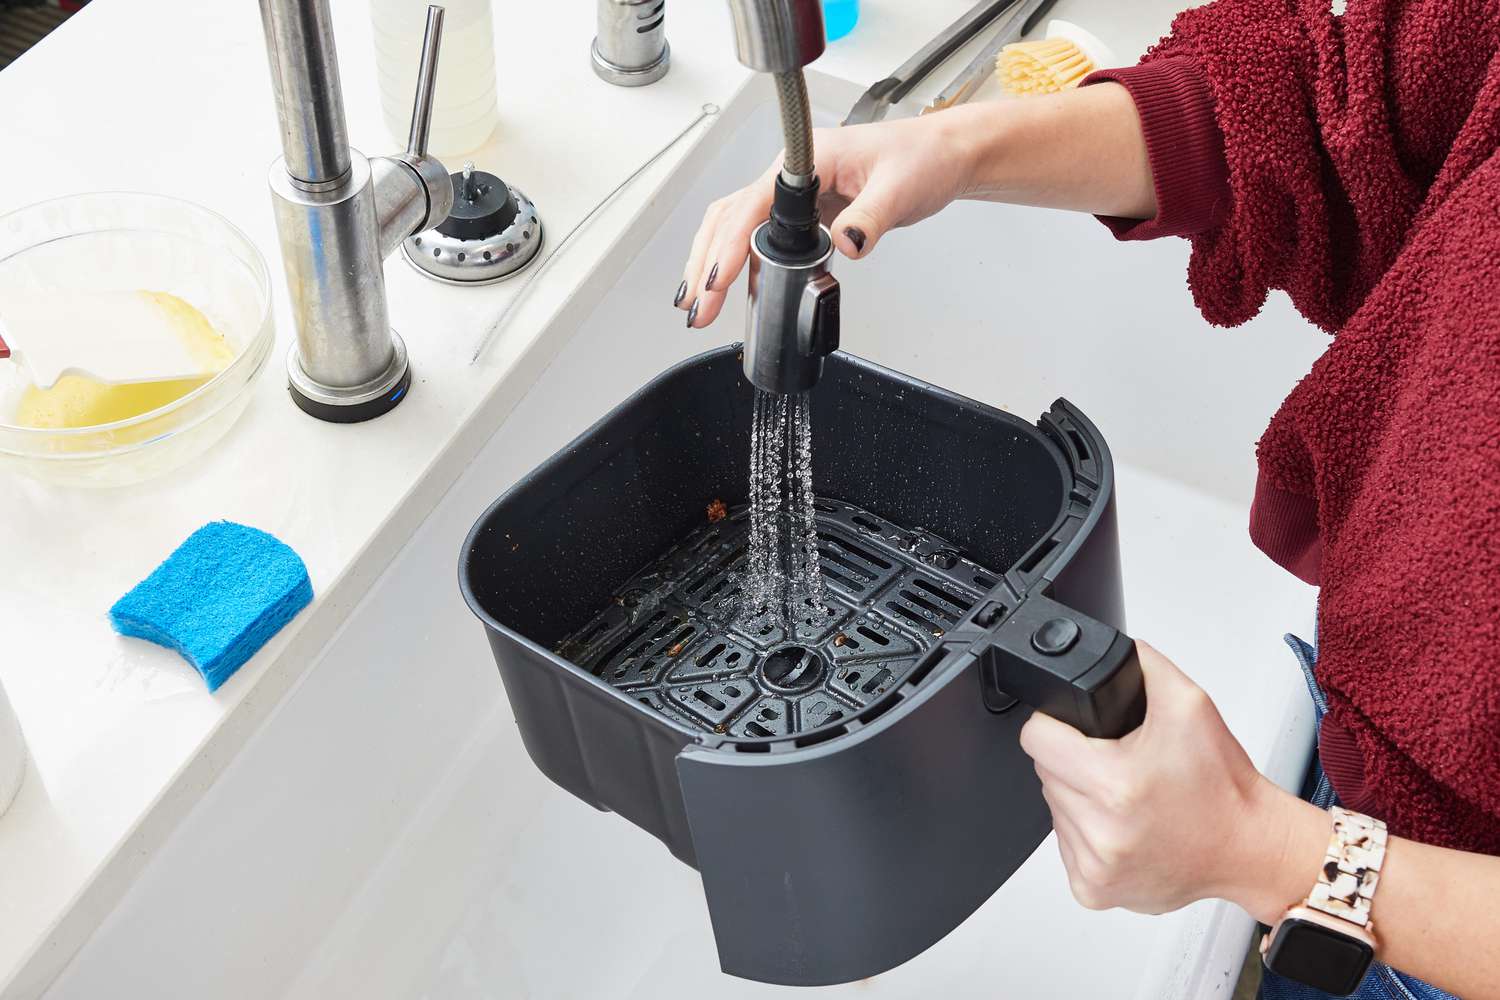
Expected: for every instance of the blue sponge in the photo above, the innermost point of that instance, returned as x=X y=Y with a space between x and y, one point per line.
x=218 y=598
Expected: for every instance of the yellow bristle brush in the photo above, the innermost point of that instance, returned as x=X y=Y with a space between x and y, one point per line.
x=1043 y=67
x=1058 y=62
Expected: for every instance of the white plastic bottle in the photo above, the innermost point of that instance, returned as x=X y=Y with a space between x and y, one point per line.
x=465 y=107
x=12 y=754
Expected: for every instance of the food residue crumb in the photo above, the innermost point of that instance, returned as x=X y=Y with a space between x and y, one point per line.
x=717 y=511
x=840 y=639
x=676 y=649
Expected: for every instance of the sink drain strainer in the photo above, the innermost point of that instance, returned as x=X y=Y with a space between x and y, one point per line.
x=671 y=640
x=492 y=232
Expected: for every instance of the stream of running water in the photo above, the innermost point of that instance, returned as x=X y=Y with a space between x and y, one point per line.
x=783 y=577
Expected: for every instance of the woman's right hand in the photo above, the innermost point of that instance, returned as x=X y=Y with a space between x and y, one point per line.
x=874 y=178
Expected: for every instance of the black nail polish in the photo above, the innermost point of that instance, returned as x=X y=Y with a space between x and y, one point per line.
x=692 y=314
x=713 y=273
x=681 y=292
x=857 y=237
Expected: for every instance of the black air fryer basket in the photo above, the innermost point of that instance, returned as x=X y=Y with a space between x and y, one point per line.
x=840 y=831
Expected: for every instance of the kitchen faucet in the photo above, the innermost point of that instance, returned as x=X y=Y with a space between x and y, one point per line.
x=339 y=215
x=793 y=319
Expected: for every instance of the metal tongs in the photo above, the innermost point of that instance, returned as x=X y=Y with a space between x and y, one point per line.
x=1020 y=16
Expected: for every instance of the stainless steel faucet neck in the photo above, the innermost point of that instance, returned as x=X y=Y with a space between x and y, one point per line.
x=309 y=98
x=339 y=215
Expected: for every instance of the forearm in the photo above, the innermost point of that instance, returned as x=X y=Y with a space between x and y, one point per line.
x=1434 y=909
x=1082 y=150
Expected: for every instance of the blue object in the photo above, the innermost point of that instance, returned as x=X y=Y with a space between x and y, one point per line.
x=217 y=598
x=840 y=17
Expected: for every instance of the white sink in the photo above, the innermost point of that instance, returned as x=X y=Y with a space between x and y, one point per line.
x=385 y=835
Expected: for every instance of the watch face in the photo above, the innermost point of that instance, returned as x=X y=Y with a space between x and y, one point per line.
x=1318 y=956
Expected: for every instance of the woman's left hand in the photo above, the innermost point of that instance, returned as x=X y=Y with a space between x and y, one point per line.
x=1173 y=812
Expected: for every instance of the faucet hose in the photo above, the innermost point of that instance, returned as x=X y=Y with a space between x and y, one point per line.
x=796 y=127
x=794 y=234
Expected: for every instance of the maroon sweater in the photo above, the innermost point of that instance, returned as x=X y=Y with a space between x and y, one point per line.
x=1352 y=162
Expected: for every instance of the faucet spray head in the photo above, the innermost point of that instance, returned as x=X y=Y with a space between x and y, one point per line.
x=793 y=320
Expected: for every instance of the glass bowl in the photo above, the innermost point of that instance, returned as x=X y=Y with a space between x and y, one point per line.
x=126 y=242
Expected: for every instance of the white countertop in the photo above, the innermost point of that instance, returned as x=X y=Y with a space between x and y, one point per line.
x=174 y=97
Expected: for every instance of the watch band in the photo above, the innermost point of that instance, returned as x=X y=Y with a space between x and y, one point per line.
x=1351 y=869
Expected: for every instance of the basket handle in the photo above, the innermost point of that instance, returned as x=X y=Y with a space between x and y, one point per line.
x=1064 y=663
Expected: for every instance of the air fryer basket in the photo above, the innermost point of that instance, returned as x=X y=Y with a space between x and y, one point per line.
x=838 y=849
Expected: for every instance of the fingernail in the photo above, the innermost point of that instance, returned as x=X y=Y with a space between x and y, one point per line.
x=692 y=314
x=713 y=273
x=681 y=291
x=857 y=237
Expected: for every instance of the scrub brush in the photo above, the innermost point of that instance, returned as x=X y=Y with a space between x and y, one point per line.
x=1058 y=62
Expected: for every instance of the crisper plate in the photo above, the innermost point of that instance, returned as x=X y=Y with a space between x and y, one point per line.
x=671 y=637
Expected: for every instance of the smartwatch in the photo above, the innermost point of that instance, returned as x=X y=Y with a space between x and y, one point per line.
x=1327 y=941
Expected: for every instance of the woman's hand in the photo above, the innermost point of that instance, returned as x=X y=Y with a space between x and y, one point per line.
x=1175 y=811
x=1081 y=149
x=874 y=178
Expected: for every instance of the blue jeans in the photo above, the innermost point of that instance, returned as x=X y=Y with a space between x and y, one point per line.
x=1382 y=982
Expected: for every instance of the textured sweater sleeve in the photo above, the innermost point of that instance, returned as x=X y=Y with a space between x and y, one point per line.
x=1336 y=130
x=1183 y=143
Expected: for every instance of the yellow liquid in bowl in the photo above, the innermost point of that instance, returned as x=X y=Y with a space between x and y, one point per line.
x=81 y=401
